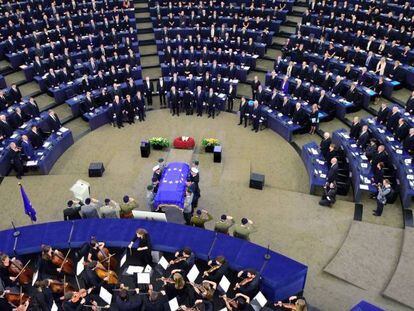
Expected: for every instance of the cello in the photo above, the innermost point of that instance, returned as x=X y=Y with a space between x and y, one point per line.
x=106 y=274
x=16 y=299
x=58 y=287
x=64 y=263
x=19 y=271
x=104 y=256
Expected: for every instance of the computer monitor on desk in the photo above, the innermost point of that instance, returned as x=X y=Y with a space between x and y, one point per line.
x=149 y=216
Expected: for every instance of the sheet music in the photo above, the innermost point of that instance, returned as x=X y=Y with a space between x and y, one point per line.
x=163 y=263
x=173 y=303
x=80 y=267
x=105 y=295
x=193 y=274
x=143 y=278
x=224 y=284
x=134 y=269
x=148 y=269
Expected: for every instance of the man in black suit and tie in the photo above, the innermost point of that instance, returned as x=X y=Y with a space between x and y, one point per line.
x=363 y=138
x=4 y=103
x=408 y=143
x=5 y=129
x=36 y=137
x=401 y=132
x=162 y=90
x=325 y=143
x=31 y=110
x=392 y=121
x=255 y=86
x=53 y=121
x=14 y=94
x=148 y=89
x=87 y=105
x=352 y=95
x=355 y=128
x=17 y=119
x=52 y=79
x=333 y=171
x=174 y=102
x=71 y=212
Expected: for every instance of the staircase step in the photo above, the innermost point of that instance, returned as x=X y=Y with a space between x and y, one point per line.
x=64 y=112
x=141 y=5
x=30 y=89
x=143 y=20
x=144 y=31
x=153 y=72
x=78 y=127
x=45 y=102
x=143 y=15
x=146 y=50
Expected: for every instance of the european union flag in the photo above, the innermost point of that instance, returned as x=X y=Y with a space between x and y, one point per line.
x=28 y=208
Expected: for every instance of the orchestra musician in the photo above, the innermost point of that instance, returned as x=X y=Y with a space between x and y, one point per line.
x=6 y=278
x=176 y=286
x=10 y=301
x=218 y=268
x=47 y=269
x=205 y=290
x=239 y=302
x=143 y=251
x=248 y=284
x=155 y=301
x=183 y=260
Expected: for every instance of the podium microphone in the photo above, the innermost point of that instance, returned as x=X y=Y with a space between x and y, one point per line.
x=16 y=232
x=267 y=255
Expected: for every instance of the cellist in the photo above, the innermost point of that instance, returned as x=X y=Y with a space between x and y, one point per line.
x=47 y=270
x=6 y=305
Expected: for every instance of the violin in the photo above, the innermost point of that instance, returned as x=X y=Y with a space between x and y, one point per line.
x=103 y=273
x=64 y=263
x=177 y=260
x=211 y=270
x=79 y=295
x=16 y=299
x=58 y=287
x=20 y=272
x=230 y=301
x=244 y=282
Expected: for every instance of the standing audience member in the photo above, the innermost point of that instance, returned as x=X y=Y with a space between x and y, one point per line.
x=127 y=206
x=224 y=224
x=384 y=191
x=244 y=229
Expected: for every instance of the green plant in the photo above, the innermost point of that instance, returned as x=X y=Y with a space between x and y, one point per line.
x=159 y=141
x=210 y=142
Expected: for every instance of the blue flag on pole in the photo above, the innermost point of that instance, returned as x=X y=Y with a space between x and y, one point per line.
x=28 y=208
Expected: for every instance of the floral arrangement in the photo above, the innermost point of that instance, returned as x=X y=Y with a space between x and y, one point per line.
x=159 y=141
x=210 y=142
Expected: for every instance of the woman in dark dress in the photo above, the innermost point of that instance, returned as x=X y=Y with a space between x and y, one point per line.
x=143 y=251
x=314 y=118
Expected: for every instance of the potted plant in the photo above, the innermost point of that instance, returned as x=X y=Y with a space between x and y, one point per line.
x=159 y=143
x=209 y=144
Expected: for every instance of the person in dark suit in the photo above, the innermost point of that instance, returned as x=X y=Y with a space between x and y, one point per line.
x=255 y=116
x=117 y=112
x=299 y=116
x=409 y=106
x=148 y=90
x=231 y=94
x=139 y=102
x=383 y=114
x=72 y=211
x=6 y=129
x=333 y=171
x=401 y=132
x=174 y=102
x=131 y=87
x=199 y=101
x=16 y=160
x=38 y=67
x=53 y=121
x=352 y=95
x=255 y=86
x=325 y=144
x=27 y=149
x=392 y=121
x=355 y=128
x=188 y=101
x=284 y=85
x=162 y=90
x=4 y=103
x=408 y=143
x=329 y=196
x=379 y=156
x=243 y=111
x=17 y=118
x=211 y=103
x=87 y=105
x=363 y=138
x=14 y=94
x=36 y=137
x=124 y=302
x=52 y=79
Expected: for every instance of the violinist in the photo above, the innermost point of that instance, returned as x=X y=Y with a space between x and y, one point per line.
x=11 y=301
x=184 y=260
x=143 y=251
x=218 y=268
x=295 y=303
x=76 y=300
x=248 y=284
x=42 y=296
x=177 y=287
x=47 y=269
x=205 y=290
x=7 y=279
x=239 y=302
x=124 y=302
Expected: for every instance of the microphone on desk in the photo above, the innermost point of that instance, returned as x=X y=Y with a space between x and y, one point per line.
x=267 y=255
x=16 y=232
